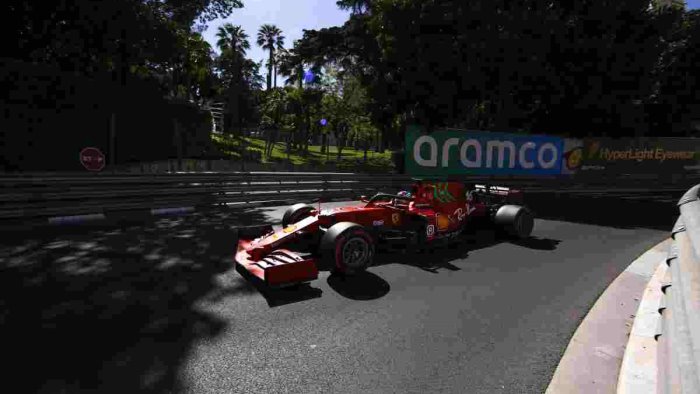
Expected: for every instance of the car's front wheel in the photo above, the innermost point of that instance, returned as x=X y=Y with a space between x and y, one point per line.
x=348 y=248
x=296 y=213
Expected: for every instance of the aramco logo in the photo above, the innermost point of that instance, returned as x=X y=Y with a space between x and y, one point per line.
x=455 y=152
x=476 y=153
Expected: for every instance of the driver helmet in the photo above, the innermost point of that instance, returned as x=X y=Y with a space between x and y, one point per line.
x=404 y=193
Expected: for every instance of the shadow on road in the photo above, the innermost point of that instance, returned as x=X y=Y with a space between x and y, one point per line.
x=605 y=211
x=537 y=243
x=112 y=310
x=362 y=287
x=281 y=296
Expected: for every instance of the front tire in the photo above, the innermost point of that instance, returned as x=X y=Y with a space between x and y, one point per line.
x=296 y=213
x=515 y=221
x=348 y=248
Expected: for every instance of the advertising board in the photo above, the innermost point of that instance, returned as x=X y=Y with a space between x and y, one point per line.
x=654 y=156
x=462 y=152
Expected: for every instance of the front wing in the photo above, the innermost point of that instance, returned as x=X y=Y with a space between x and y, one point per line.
x=278 y=268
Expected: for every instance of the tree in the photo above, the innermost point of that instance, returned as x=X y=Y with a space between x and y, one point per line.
x=232 y=38
x=291 y=66
x=134 y=61
x=273 y=114
x=279 y=42
x=355 y=49
x=233 y=42
x=356 y=6
x=270 y=38
x=186 y=12
x=88 y=36
x=675 y=100
x=572 y=68
x=193 y=74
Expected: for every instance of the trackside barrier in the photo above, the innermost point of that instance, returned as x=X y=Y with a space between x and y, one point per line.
x=678 y=337
x=90 y=196
x=45 y=195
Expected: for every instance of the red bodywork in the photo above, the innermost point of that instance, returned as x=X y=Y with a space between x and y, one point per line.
x=446 y=208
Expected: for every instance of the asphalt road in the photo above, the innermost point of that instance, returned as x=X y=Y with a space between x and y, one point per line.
x=156 y=307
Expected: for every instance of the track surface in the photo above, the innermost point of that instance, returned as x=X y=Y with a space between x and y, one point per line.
x=156 y=307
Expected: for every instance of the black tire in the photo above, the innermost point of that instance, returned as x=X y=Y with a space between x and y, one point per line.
x=296 y=213
x=515 y=221
x=419 y=241
x=347 y=248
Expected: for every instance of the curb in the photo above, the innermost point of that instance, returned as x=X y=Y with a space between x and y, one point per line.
x=638 y=373
x=594 y=355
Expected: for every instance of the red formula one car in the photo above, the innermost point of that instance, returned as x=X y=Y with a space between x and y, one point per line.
x=344 y=238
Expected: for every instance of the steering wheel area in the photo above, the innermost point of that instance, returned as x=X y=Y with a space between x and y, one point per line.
x=392 y=200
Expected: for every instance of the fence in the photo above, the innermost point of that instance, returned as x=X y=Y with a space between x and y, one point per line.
x=678 y=358
x=200 y=165
x=32 y=196
x=36 y=196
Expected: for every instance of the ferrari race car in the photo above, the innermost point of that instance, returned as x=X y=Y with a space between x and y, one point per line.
x=344 y=239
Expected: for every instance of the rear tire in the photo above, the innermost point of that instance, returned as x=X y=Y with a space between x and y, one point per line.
x=296 y=213
x=514 y=221
x=347 y=248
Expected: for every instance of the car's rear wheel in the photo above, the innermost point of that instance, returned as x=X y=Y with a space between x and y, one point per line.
x=515 y=221
x=347 y=248
x=296 y=213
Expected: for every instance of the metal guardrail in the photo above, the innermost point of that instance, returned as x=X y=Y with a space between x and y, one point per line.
x=40 y=196
x=678 y=359
x=45 y=195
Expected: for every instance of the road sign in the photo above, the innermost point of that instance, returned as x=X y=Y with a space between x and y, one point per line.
x=92 y=159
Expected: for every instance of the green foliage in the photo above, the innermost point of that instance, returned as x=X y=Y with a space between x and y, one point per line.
x=232 y=38
x=676 y=96
x=574 y=68
x=362 y=131
x=350 y=159
x=356 y=6
x=133 y=58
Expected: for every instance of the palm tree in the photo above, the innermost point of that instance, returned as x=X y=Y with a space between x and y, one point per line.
x=356 y=6
x=233 y=42
x=279 y=42
x=291 y=65
x=270 y=37
x=232 y=38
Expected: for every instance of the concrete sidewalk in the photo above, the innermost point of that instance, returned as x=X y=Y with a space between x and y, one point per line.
x=592 y=360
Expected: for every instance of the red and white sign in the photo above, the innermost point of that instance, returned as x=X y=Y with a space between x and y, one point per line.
x=92 y=159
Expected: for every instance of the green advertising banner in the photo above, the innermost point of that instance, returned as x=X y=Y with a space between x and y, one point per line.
x=457 y=152
x=652 y=156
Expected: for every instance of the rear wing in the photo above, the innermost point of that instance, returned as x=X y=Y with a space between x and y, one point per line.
x=502 y=194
